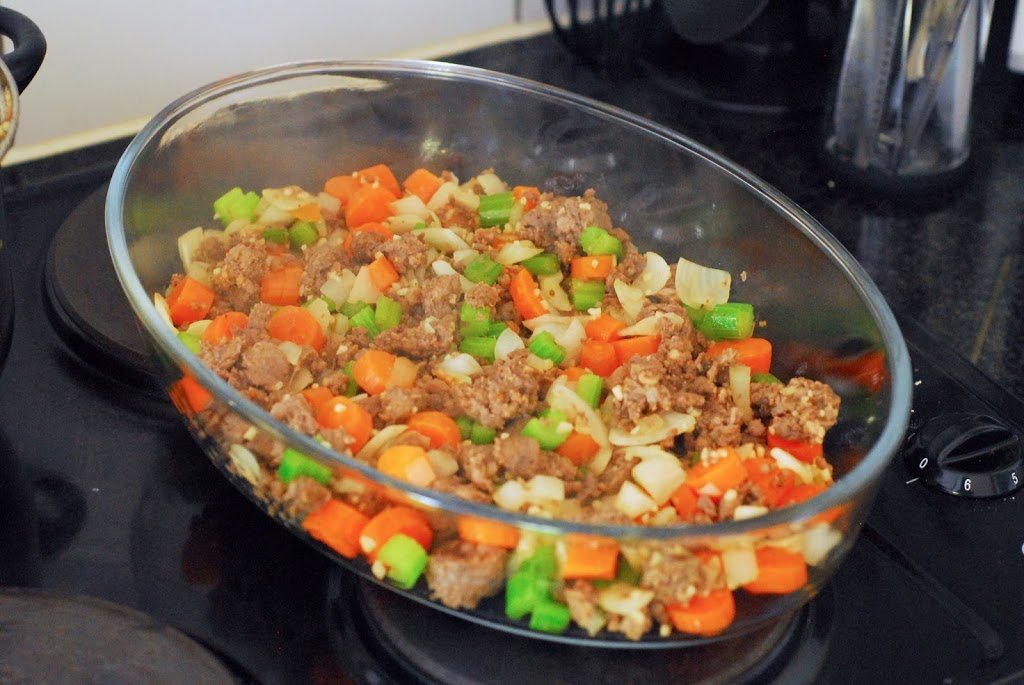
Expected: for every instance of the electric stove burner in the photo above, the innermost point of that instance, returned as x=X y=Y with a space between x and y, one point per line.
x=87 y=305
x=50 y=637
x=382 y=637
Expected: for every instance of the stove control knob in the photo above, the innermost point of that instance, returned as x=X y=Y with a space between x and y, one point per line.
x=967 y=454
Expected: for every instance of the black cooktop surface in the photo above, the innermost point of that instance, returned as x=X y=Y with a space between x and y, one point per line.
x=103 y=494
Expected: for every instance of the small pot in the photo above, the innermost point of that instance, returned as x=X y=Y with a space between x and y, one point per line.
x=16 y=71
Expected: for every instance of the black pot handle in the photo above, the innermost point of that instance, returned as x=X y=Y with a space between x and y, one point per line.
x=29 y=46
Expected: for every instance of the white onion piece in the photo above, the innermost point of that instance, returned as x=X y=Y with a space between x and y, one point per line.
x=441 y=196
x=199 y=271
x=160 y=304
x=624 y=599
x=459 y=366
x=442 y=463
x=188 y=243
x=288 y=198
x=466 y=198
x=273 y=215
x=245 y=463
x=786 y=460
x=403 y=373
x=338 y=286
x=329 y=205
x=381 y=440
x=634 y=502
x=653 y=429
x=410 y=204
x=292 y=351
x=538 y=363
x=517 y=251
x=655 y=274
x=748 y=511
x=660 y=474
x=463 y=257
x=571 y=340
x=491 y=184
x=819 y=540
x=632 y=299
x=740 y=566
x=510 y=495
x=403 y=223
x=443 y=239
x=739 y=388
x=340 y=324
x=701 y=286
x=507 y=343
x=554 y=294
x=649 y=325
x=542 y=488
x=300 y=380
x=563 y=398
x=363 y=289
x=321 y=311
x=548 y=322
x=197 y=328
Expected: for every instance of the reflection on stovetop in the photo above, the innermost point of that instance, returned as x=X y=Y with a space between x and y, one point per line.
x=104 y=494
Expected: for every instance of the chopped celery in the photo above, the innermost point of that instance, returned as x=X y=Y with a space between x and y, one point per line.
x=365 y=318
x=192 y=342
x=235 y=204
x=404 y=558
x=350 y=309
x=523 y=591
x=595 y=240
x=302 y=233
x=387 y=313
x=465 y=425
x=475 y=321
x=481 y=435
x=294 y=464
x=550 y=616
x=586 y=294
x=496 y=209
x=352 y=389
x=278 y=236
x=550 y=431
x=544 y=264
x=764 y=378
x=483 y=269
x=589 y=387
x=479 y=346
x=729 y=321
x=542 y=563
x=544 y=346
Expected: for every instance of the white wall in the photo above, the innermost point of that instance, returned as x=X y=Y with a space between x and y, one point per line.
x=111 y=64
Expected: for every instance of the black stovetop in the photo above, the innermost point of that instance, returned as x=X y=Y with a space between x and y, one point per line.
x=103 y=493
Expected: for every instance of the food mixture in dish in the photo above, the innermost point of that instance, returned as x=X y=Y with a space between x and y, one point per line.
x=511 y=347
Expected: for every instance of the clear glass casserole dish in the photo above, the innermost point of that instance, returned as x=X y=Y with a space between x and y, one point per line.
x=298 y=124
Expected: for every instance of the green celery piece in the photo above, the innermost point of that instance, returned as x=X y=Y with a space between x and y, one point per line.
x=765 y=378
x=332 y=306
x=483 y=269
x=192 y=341
x=523 y=591
x=465 y=425
x=294 y=464
x=245 y=208
x=496 y=209
x=544 y=346
x=350 y=309
x=222 y=205
x=405 y=560
x=729 y=321
x=586 y=294
x=480 y=346
x=388 y=313
x=352 y=389
x=595 y=240
x=302 y=233
x=549 y=431
x=589 y=387
x=497 y=328
x=482 y=435
x=550 y=616
x=278 y=236
x=474 y=321
x=365 y=318
x=541 y=564
x=544 y=264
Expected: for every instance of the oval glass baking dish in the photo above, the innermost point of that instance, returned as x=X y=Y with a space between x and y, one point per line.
x=302 y=123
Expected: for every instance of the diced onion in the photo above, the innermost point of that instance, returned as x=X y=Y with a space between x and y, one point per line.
x=441 y=196
x=786 y=460
x=510 y=495
x=632 y=501
x=288 y=198
x=321 y=311
x=466 y=199
x=819 y=540
x=507 y=343
x=442 y=463
x=740 y=566
x=653 y=429
x=188 y=243
x=649 y=325
x=403 y=373
x=542 y=488
x=245 y=463
x=411 y=204
x=292 y=351
x=563 y=398
x=624 y=599
x=197 y=328
x=199 y=271
x=460 y=366
x=739 y=388
x=363 y=289
x=383 y=438
x=463 y=257
x=748 y=511
x=338 y=286
x=553 y=293
x=655 y=274
x=491 y=184
x=443 y=268
x=300 y=380
x=444 y=239
x=273 y=215
x=517 y=251
x=660 y=474
x=328 y=204
x=701 y=286
x=632 y=299
x=403 y=223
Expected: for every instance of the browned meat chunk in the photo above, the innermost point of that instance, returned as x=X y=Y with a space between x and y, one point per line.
x=265 y=366
x=511 y=457
x=406 y=252
x=507 y=389
x=236 y=280
x=461 y=573
x=555 y=224
x=801 y=410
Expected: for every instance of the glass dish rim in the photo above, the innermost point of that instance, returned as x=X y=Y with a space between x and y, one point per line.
x=858 y=479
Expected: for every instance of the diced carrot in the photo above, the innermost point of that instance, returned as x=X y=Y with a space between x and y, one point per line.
x=316 y=396
x=779 y=571
x=382 y=175
x=724 y=473
x=526 y=295
x=438 y=426
x=281 y=286
x=753 y=352
x=600 y=357
x=298 y=325
x=604 y=328
x=371 y=227
x=382 y=273
x=372 y=370
x=867 y=370
x=343 y=412
x=487 y=532
x=627 y=348
x=310 y=212
x=189 y=301
x=391 y=521
x=342 y=187
x=338 y=526
x=802 y=492
x=223 y=327
x=422 y=183
x=705 y=615
x=408 y=463
x=573 y=373
x=368 y=204
x=801 y=449
x=684 y=499
x=590 y=557
x=579 y=448
x=528 y=196
x=197 y=398
x=773 y=482
x=592 y=267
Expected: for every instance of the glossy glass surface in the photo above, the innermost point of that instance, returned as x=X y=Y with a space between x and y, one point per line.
x=300 y=123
